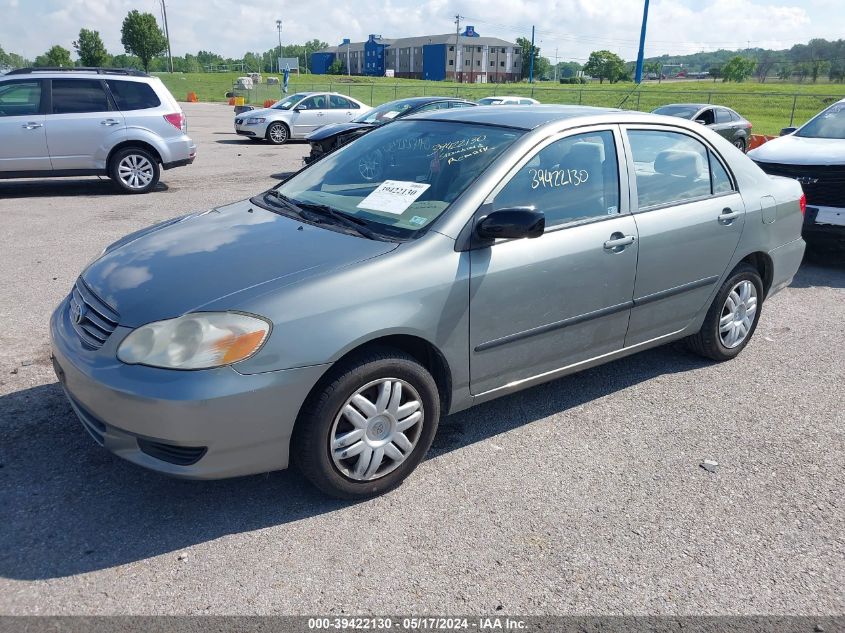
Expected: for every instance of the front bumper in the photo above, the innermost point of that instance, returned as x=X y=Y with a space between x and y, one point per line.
x=824 y=228
x=204 y=424
x=254 y=131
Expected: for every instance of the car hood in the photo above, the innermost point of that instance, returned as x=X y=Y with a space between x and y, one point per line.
x=796 y=150
x=333 y=129
x=217 y=260
x=258 y=112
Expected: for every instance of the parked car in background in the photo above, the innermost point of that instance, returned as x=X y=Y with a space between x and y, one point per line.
x=123 y=124
x=507 y=101
x=333 y=320
x=297 y=116
x=720 y=119
x=814 y=155
x=329 y=137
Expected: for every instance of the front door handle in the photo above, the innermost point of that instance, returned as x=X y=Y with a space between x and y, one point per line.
x=618 y=242
x=728 y=215
x=32 y=125
x=109 y=122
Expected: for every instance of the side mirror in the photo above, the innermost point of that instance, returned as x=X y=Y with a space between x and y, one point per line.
x=701 y=121
x=300 y=108
x=513 y=223
x=787 y=130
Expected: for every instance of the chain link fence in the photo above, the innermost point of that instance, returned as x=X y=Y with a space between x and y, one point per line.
x=768 y=111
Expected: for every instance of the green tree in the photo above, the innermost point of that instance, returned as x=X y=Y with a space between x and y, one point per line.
x=738 y=69
x=605 y=65
x=337 y=67
x=141 y=36
x=818 y=67
x=90 y=48
x=525 y=44
x=57 y=56
x=715 y=71
x=785 y=72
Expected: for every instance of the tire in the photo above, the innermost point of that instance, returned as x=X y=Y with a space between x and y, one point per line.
x=741 y=144
x=714 y=343
x=278 y=133
x=134 y=170
x=319 y=455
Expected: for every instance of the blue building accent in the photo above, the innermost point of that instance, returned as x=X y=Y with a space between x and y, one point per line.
x=434 y=62
x=320 y=62
x=470 y=32
x=374 y=56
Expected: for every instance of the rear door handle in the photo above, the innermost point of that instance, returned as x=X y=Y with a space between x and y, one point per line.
x=109 y=122
x=32 y=125
x=728 y=215
x=618 y=242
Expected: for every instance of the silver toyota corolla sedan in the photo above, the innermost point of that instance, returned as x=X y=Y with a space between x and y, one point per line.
x=438 y=262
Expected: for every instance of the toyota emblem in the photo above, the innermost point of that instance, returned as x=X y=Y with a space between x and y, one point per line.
x=76 y=313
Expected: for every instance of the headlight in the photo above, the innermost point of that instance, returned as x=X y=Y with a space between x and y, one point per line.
x=195 y=341
x=255 y=120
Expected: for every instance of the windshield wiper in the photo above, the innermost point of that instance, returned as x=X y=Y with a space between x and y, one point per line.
x=322 y=212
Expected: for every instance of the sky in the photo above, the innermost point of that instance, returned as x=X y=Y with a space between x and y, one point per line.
x=570 y=29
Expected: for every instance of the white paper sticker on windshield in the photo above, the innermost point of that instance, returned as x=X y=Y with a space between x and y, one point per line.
x=393 y=196
x=389 y=115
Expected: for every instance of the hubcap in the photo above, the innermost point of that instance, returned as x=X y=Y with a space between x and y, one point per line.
x=738 y=314
x=278 y=133
x=376 y=430
x=370 y=166
x=135 y=171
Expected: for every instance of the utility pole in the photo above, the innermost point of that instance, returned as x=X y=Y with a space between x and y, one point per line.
x=556 y=64
x=279 y=29
x=167 y=34
x=641 y=54
x=531 y=63
x=457 y=44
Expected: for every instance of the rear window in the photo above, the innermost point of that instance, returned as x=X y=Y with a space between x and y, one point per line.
x=133 y=95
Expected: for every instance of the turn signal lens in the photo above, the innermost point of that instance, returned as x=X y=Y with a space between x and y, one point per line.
x=195 y=341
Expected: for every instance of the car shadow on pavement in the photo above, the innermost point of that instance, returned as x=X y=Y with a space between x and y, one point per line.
x=59 y=188
x=71 y=507
x=826 y=272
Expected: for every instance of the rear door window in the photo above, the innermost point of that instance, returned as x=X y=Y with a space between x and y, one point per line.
x=339 y=103
x=723 y=116
x=76 y=96
x=670 y=167
x=133 y=95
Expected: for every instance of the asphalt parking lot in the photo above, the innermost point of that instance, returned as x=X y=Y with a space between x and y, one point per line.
x=584 y=495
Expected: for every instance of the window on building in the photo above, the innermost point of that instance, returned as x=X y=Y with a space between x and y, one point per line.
x=451 y=48
x=492 y=63
x=478 y=62
x=502 y=64
x=517 y=51
x=466 y=62
x=477 y=49
x=451 y=62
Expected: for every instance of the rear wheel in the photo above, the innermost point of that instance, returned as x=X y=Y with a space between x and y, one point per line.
x=134 y=170
x=741 y=144
x=277 y=133
x=732 y=317
x=368 y=426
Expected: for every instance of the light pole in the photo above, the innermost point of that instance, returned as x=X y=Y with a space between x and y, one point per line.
x=279 y=29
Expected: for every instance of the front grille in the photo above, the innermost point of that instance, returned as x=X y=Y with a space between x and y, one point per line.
x=172 y=454
x=93 y=320
x=824 y=185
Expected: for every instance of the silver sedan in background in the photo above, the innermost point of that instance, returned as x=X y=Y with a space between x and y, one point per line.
x=334 y=319
x=297 y=116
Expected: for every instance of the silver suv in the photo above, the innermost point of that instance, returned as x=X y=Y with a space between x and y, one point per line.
x=123 y=124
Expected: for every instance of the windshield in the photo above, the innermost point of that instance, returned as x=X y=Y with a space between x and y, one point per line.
x=489 y=101
x=288 y=102
x=828 y=124
x=681 y=111
x=385 y=112
x=399 y=178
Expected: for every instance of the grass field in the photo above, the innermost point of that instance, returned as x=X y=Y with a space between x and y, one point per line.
x=769 y=106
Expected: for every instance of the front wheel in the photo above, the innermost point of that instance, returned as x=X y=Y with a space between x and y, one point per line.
x=368 y=426
x=134 y=170
x=277 y=133
x=732 y=317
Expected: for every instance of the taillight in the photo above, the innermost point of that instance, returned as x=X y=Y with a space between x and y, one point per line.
x=177 y=120
x=803 y=204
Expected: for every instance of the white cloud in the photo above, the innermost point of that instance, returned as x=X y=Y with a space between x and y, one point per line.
x=574 y=27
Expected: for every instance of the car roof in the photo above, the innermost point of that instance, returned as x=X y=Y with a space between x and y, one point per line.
x=521 y=117
x=52 y=73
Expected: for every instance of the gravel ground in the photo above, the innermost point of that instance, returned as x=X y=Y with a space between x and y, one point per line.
x=584 y=495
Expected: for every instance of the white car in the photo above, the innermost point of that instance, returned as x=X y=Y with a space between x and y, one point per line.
x=297 y=116
x=508 y=101
x=814 y=155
